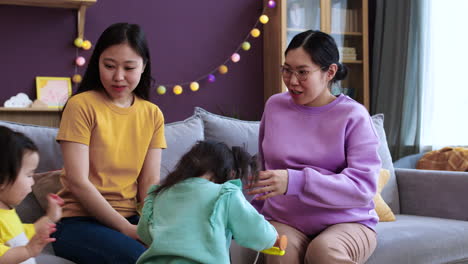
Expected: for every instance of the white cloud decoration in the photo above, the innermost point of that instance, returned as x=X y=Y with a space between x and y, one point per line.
x=19 y=100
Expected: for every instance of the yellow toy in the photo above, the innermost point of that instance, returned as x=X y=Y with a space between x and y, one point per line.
x=279 y=248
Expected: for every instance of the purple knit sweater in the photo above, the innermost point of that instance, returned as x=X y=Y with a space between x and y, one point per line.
x=330 y=153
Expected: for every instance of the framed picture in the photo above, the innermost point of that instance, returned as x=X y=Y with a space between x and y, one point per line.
x=53 y=91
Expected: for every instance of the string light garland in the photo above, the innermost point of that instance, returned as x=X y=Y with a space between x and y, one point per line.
x=222 y=69
x=80 y=61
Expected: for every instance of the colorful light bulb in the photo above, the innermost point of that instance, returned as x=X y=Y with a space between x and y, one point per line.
x=264 y=19
x=194 y=86
x=223 y=69
x=271 y=4
x=255 y=32
x=78 y=42
x=161 y=89
x=177 y=89
x=80 y=61
x=211 y=78
x=86 y=45
x=245 y=45
x=77 y=78
x=235 y=57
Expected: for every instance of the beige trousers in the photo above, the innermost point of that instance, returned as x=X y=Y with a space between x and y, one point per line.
x=341 y=243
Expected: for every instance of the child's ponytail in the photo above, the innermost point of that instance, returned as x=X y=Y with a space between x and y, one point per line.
x=214 y=158
x=245 y=166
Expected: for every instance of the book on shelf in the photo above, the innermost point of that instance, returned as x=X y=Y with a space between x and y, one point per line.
x=345 y=20
x=347 y=53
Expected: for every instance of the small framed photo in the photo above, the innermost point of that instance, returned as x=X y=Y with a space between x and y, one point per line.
x=53 y=91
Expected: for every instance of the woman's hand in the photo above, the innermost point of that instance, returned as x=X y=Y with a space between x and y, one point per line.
x=271 y=183
x=131 y=231
x=54 y=210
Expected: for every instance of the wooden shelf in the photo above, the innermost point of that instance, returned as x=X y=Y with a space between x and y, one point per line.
x=36 y=116
x=80 y=5
x=347 y=33
x=28 y=109
x=74 y=4
x=352 y=61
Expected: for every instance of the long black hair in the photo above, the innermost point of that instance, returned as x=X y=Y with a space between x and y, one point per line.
x=115 y=34
x=213 y=157
x=14 y=145
x=322 y=50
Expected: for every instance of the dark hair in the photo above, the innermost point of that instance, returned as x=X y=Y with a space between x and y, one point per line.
x=14 y=145
x=115 y=34
x=213 y=157
x=322 y=50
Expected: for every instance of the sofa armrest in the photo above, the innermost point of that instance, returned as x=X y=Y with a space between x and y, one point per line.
x=408 y=162
x=433 y=193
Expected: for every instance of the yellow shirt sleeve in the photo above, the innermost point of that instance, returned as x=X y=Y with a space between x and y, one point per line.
x=158 y=140
x=76 y=123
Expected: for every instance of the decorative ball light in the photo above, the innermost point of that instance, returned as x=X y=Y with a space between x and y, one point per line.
x=264 y=19
x=235 y=57
x=255 y=32
x=211 y=78
x=177 y=89
x=161 y=89
x=223 y=69
x=271 y=4
x=194 y=86
x=86 y=45
x=77 y=78
x=80 y=61
x=245 y=45
x=78 y=42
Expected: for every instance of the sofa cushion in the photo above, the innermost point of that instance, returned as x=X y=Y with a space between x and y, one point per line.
x=45 y=183
x=421 y=240
x=233 y=132
x=44 y=137
x=390 y=193
x=383 y=210
x=180 y=137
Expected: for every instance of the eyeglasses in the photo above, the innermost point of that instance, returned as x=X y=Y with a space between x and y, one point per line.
x=301 y=75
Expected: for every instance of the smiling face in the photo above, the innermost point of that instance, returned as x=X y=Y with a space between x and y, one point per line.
x=120 y=69
x=14 y=194
x=314 y=90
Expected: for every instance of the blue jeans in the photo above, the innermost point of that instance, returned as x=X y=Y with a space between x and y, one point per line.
x=84 y=240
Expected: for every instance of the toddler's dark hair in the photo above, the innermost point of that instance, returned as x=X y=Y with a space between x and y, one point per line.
x=213 y=157
x=13 y=146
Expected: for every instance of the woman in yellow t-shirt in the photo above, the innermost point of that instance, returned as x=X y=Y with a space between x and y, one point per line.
x=111 y=138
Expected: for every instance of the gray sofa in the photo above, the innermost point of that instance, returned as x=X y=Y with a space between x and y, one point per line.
x=430 y=206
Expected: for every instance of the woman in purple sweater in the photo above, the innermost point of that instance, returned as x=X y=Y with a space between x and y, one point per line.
x=320 y=161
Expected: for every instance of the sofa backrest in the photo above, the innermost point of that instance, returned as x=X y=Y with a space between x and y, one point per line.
x=44 y=138
x=181 y=136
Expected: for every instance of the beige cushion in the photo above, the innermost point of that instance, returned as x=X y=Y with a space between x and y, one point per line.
x=45 y=183
x=383 y=210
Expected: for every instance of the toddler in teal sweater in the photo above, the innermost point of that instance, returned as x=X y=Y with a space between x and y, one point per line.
x=193 y=216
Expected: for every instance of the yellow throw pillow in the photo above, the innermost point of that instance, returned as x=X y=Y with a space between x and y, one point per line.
x=381 y=207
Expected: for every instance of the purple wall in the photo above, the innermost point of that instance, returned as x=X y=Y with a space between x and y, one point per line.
x=187 y=40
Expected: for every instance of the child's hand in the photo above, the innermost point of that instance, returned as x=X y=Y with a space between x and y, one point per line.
x=54 y=210
x=42 y=237
x=281 y=242
x=279 y=248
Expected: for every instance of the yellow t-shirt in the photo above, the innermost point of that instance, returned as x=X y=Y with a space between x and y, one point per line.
x=13 y=233
x=118 y=140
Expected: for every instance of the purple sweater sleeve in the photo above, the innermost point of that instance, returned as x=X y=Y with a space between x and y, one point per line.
x=355 y=185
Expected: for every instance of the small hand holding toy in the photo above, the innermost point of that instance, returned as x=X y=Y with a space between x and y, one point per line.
x=279 y=248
